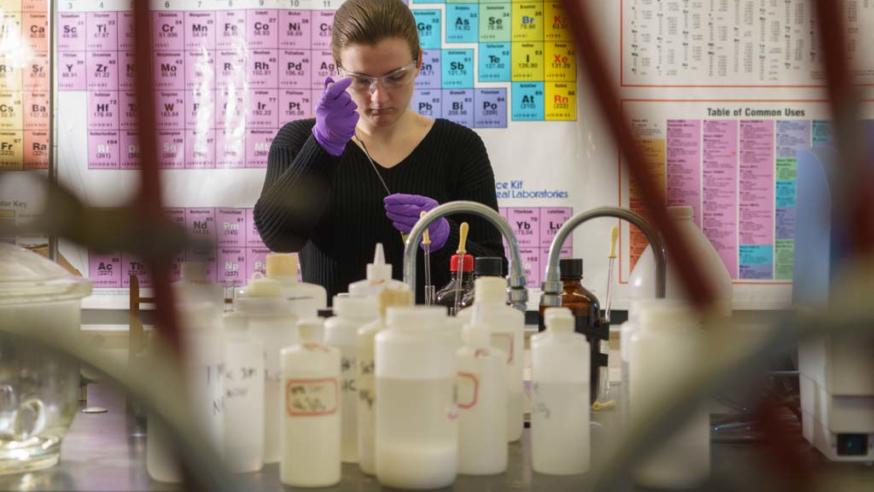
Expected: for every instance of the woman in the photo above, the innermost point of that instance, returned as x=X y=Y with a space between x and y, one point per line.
x=367 y=166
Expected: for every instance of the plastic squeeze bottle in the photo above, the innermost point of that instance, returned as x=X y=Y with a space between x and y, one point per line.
x=341 y=332
x=305 y=299
x=481 y=390
x=379 y=276
x=560 y=414
x=391 y=296
x=310 y=427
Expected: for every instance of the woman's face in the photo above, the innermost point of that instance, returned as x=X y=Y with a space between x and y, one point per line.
x=383 y=79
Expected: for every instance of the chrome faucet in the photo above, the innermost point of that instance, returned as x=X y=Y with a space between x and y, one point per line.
x=518 y=294
x=552 y=286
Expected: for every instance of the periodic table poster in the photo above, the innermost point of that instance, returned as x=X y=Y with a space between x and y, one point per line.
x=722 y=93
x=229 y=73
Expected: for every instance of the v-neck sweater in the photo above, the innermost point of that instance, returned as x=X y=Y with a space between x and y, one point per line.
x=330 y=209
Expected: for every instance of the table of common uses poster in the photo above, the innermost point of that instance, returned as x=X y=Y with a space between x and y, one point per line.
x=229 y=73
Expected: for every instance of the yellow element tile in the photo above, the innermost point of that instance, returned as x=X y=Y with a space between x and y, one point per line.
x=527 y=21
x=11 y=149
x=555 y=22
x=561 y=101
x=527 y=59
x=11 y=111
x=560 y=63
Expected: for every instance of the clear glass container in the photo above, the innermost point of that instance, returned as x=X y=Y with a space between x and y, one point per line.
x=39 y=391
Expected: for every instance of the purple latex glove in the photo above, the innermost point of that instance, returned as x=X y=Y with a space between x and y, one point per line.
x=335 y=117
x=404 y=211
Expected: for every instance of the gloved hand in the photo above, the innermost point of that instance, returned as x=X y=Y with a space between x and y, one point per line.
x=335 y=117
x=404 y=211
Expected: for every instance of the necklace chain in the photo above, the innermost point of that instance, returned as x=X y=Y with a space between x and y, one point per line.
x=373 y=164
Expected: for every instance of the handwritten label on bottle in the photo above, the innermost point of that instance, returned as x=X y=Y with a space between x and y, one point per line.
x=466 y=390
x=504 y=342
x=311 y=397
x=347 y=365
x=366 y=389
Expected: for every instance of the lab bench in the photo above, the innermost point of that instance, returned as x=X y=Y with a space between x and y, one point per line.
x=106 y=451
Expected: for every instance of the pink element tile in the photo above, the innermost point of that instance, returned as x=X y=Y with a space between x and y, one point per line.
x=295 y=68
x=126 y=40
x=256 y=261
x=71 y=31
x=177 y=215
x=170 y=113
x=231 y=33
x=230 y=69
x=102 y=70
x=200 y=148
x=36 y=149
x=127 y=72
x=231 y=109
x=264 y=68
x=134 y=266
x=551 y=220
x=200 y=223
x=323 y=20
x=231 y=266
x=36 y=73
x=103 y=150
x=103 y=110
x=34 y=30
x=169 y=70
x=258 y=146
x=129 y=150
x=200 y=30
x=231 y=226
x=200 y=110
x=104 y=271
x=262 y=28
x=323 y=67
x=531 y=265
x=263 y=109
x=171 y=149
x=295 y=105
x=294 y=29
x=253 y=239
x=168 y=30
x=102 y=31
x=200 y=70
x=230 y=149
x=525 y=223
x=71 y=71
x=127 y=110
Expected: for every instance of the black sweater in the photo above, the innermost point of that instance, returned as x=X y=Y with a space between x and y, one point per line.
x=330 y=209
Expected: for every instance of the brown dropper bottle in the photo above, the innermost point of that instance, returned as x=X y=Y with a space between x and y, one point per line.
x=587 y=314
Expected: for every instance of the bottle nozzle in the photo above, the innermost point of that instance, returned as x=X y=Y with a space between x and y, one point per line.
x=378 y=270
x=462 y=239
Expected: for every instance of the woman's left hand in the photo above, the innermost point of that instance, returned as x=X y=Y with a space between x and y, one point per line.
x=404 y=211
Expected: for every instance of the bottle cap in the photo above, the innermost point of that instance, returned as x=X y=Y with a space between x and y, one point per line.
x=281 y=265
x=559 y=320
x=355 y=307
x=571 y=268
x=391 y=296
x=490 y=290
x=665 y=314
x=467 y=265
x=489 y=266
x=259 y=286
x=476 y=335
x=680 y=212
x=413 y=317
x=378 y=269
x=311 y=329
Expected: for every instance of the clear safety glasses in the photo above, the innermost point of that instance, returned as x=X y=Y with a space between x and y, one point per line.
x=392 y=80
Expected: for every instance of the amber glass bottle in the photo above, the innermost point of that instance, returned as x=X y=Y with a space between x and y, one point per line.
x=587 y=314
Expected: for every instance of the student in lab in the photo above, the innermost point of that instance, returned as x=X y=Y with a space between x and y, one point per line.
x=364 y=169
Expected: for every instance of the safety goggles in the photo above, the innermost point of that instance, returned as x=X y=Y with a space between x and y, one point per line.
x=392 y=80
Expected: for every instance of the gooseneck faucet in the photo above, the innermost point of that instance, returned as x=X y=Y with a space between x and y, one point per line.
x=552 y=286
x=518 y=294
